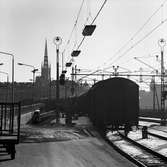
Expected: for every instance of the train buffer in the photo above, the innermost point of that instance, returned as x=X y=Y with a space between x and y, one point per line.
x=9 y=127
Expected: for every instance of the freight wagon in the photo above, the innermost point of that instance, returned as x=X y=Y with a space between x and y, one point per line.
x=112 y=103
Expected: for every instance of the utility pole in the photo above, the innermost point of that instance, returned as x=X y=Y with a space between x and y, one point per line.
x=57 y=41
x=34 y=88
x=65 y=89
x=57 y=75
x=94 y=80
x=153 y=90
x=115 y=70
x=162 y=43
x=76 y=80
x=72 y=80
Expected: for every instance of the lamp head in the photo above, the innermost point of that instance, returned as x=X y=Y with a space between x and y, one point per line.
x=57 y=41
x=162 y=42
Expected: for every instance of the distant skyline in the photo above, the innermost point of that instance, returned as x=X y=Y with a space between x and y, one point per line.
x=25 y=24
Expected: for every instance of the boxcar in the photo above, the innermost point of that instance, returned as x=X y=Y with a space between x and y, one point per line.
x=112 y=103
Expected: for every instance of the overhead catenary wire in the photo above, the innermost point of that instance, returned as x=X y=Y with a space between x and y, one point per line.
x=137 y=32
x=138 y=42
x=89 y=15
x=75 y=24
x=143 y=38
x=92 y=22
x=99 y=11
x=88 y=75
x=83 y=38
x=133 y=36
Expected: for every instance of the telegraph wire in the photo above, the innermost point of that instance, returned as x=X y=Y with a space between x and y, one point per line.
x=88 y=75
x=137 y=32
x=74 y=27
x=75 y=24
x=99 y=12
x=139 y=41
x=132 y=38
x=81 y=42
x=89 y=15
x=92 y=22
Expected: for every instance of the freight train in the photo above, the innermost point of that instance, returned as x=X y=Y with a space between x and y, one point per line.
x=111 y=103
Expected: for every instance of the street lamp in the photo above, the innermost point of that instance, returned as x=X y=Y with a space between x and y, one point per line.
x=7 y=79
x=33 y=71
x=6 y=53
x=162 y=44
x=57 y=41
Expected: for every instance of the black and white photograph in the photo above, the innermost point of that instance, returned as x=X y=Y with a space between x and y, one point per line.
x=83 y=83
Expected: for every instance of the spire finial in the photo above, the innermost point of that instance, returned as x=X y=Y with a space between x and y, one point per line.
x=46 y=49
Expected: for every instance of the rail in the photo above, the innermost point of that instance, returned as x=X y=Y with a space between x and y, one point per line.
x=130 y=158
x=162 y=157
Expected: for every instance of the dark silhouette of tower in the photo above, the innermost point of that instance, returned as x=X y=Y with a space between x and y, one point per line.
x=43 y=82
x=45 y=68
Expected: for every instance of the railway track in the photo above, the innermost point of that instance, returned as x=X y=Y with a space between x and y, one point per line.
x=146 y=157
x=88 y=132
x=126 y=155
x=160 y=130
x=156 y=133
x=158 y=136
x=147 y=119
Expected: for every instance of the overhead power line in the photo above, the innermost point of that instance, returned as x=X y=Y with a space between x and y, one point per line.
x=93 y=22
x=75 y=24
x=88 y=75
x=99 y=11
x=143 y=38
x=138 y=42
x=137 y=32
x=81 y=42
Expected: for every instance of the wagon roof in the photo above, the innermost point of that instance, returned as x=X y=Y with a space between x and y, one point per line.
x=110 y=80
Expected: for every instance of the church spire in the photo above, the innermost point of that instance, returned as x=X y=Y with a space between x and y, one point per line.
x=46 y=49
x=45 y=68
x=46 y=55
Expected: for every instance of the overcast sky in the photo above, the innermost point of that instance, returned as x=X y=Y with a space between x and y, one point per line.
x=25 y=24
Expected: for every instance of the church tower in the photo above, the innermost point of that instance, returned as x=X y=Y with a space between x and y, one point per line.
x=45 y=67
